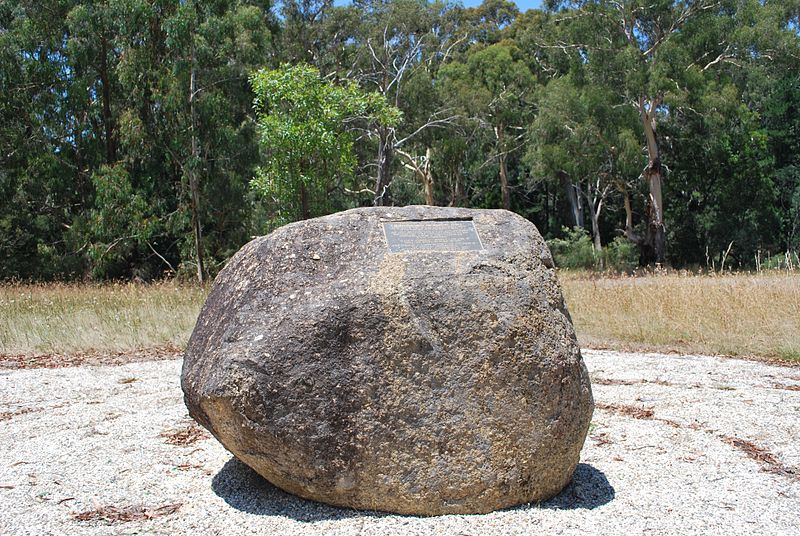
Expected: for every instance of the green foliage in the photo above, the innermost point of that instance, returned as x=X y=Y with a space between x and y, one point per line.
x=308 y=149
x=575 y=250
x=621 y=255
x=129 y=139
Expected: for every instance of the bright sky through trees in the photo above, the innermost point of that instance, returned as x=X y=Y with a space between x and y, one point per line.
x=523 y=5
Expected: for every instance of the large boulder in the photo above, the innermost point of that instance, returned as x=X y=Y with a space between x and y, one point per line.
x=415 y=360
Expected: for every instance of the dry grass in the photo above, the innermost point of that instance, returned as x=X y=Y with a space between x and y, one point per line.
x=65 y=318
x=739 y=315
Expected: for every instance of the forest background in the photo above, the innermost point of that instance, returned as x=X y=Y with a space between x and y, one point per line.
x=629 y=132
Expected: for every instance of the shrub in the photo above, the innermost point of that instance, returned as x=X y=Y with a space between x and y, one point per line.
x=621 y=255
x=574 y=250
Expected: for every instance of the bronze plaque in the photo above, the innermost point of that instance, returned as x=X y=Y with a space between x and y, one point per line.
x=432 y=235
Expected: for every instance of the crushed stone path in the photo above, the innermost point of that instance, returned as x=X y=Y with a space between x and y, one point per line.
x=677 y=445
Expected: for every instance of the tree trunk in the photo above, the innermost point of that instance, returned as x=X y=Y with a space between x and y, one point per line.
x=427 y=177
x=108 y=121
x=305 y=211
x=499 y=132
x=423 y=172
x=598 y=245
x=456 y=194
x=656 y=238
x=194 y=185
x=385 y=155
x=575 y=201
x=629 y=234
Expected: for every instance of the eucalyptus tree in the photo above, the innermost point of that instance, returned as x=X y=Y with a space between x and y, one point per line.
x=494 y=86
x=209 y=51
x=46 y=141
x=398 y=41
x=186 y=135
x=581 y=140
x=638 y=46
x=726 y=134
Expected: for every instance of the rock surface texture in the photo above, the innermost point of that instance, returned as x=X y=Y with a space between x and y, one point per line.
x=416 y=382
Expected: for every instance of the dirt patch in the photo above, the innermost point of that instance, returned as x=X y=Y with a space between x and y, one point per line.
x=113 y=514
x=624 y=409
x=77 y=359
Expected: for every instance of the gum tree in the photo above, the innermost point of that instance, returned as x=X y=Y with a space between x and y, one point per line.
x=636 y=45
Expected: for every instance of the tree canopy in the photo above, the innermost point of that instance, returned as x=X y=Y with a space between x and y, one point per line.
x=143 y=138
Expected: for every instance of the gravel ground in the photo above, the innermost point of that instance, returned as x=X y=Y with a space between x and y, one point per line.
x=678 y=445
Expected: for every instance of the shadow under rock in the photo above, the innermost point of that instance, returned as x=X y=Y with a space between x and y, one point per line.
x=588 y=489
x=247 y=491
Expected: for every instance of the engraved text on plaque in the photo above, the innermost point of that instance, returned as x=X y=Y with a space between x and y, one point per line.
x=432 y=235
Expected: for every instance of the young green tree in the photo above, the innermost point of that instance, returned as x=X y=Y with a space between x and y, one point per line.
x=308 y=148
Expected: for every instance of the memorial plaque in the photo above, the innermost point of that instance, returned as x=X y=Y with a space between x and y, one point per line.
x=432 y=235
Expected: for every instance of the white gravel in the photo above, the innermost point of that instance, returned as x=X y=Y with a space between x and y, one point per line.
x=86 y=438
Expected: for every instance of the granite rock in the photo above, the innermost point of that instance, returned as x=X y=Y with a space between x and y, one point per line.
x=416 y=382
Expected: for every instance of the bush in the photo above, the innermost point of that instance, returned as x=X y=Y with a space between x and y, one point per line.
x=574 y=250
x=621 y=255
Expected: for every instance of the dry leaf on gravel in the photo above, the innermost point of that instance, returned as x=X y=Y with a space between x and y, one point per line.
x=187 y=435
x=610 y=381
x=8 y=415
x=113 y=514
x=786 y=387
x=760 y=454
x=624 y=409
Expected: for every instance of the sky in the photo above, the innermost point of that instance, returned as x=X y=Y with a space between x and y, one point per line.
x=524 y=5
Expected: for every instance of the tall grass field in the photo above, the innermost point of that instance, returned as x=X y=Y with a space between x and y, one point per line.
x=63 y=318
x=739 y=315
